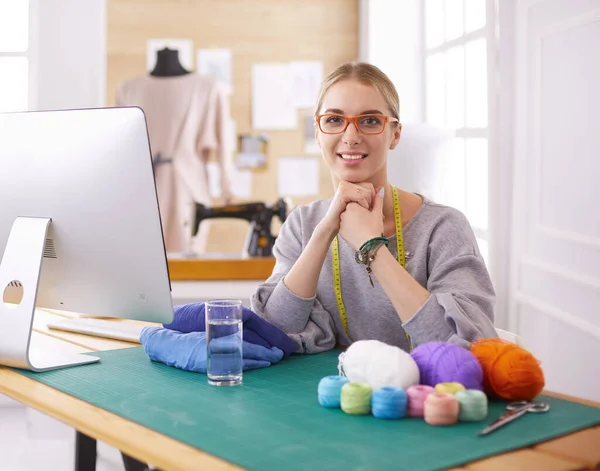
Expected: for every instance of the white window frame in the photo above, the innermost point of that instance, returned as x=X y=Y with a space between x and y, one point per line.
x=488 y=32
x=29 y=54
x=32 y=53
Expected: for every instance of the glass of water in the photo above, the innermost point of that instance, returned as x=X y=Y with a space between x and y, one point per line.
x=224 y=342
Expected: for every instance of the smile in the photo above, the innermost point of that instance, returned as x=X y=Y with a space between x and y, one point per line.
x=352 y=156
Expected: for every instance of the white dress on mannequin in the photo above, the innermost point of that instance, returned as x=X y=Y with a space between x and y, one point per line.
x=188 y=117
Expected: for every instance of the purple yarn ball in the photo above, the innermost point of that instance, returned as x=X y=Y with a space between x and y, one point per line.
x=441 y=362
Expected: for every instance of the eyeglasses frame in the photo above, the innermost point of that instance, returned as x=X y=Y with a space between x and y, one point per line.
x=353 y=119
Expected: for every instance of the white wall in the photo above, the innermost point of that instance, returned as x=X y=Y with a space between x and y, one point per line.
x=68 y=50
x=555 y=244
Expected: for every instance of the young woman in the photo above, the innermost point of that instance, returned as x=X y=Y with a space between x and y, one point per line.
x=373 y=261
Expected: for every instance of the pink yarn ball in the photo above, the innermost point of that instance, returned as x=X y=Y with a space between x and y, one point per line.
x=416 y=396
x=441 y=362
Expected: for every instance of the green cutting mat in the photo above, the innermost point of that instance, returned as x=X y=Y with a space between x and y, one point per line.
x=274 y=422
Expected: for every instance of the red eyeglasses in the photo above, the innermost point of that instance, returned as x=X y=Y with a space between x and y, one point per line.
x=365 y=124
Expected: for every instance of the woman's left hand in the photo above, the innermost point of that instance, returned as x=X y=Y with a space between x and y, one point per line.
x=357 y=224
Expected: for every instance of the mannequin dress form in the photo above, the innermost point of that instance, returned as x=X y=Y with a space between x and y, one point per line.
x=188 y=118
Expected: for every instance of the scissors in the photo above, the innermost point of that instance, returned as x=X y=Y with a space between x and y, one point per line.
x=515 y=410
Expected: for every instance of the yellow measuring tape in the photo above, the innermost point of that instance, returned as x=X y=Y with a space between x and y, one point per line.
x=335 y=258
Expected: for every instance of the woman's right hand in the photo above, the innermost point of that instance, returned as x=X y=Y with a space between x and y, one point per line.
x=303 y=277
x=360 y=193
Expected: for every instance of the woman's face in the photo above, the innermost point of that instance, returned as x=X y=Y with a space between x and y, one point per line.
x=352 y=156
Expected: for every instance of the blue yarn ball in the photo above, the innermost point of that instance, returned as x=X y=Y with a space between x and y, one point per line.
x=330 y=389
x=389 y=402
x=442 y=362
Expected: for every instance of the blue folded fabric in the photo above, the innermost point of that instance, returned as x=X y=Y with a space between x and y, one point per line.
x=188 y=351
x=190 y=318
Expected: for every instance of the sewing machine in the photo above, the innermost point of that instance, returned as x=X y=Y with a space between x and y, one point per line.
x=260 y=240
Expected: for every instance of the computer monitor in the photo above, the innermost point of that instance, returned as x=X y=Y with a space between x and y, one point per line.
x=78 y=198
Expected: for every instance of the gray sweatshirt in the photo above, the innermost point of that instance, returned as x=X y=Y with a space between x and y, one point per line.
x=441 y=254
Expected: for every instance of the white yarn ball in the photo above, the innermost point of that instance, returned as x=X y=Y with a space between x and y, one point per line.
x=379 y=364
x=392 y=366
x=352 y=362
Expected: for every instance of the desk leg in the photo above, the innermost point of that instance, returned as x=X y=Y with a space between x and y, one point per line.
x=131 y=464
x=85 y=453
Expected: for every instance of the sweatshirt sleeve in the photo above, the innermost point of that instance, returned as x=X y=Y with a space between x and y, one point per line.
x=304 y=320
x=460 y=307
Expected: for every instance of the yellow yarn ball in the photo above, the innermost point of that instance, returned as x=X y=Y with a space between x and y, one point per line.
x=449 y=388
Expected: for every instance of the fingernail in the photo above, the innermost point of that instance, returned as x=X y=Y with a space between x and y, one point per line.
x=382 y=192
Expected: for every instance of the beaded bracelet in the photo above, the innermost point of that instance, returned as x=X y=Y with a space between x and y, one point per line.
x=367 y=251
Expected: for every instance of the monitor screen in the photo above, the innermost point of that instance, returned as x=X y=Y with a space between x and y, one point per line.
x=90 y=172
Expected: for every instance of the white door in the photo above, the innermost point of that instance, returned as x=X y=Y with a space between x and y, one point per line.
x=554 y=289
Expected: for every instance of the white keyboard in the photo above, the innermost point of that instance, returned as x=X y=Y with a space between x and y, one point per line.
x=117 y=330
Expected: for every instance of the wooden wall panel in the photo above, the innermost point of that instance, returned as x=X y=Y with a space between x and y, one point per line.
x=256 y=31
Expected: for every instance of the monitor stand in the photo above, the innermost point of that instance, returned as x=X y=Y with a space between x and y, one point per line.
x=21 y=266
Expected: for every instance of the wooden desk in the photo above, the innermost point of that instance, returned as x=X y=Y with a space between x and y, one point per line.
x=203 y=269
x=577 y=451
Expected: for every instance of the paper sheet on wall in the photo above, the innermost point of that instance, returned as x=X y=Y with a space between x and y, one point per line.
x=216 y=63
x=306 y=81
x=273 y=105
x=185 y=47
x=241 y=181
x=298 y=176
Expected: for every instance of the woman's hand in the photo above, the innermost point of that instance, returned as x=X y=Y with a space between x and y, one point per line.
x=359 y=224
x=303 y=277
x=361 y=194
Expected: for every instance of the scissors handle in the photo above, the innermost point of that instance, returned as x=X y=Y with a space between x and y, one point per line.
x=516 y=405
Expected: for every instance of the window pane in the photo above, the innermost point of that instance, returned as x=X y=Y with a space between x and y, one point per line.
x=14 y=89
x=14 y=25
x=455 y=87
x=435 y=90
x=477 y=182
x=474 y=14
x=484 y=249
x=476 y=83
x=434 y=22
x=453 y=14
x=454 y=175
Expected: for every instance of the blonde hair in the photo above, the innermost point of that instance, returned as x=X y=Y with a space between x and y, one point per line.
x=367 y=74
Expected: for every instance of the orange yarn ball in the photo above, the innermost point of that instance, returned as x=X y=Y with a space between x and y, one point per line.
x=509 y=371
